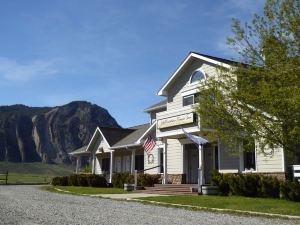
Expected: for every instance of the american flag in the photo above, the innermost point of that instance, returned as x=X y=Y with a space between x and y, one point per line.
x=148 y=145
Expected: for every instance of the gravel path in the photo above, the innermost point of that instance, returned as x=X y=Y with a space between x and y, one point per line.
x=29 y=205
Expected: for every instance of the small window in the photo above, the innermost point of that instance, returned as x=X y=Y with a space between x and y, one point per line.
x=188 y=100
x=197 y=76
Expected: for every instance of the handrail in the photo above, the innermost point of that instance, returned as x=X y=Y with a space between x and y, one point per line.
x=136 y=174
x=140 y=171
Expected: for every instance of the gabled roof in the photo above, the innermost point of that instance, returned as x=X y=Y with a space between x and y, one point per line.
x=79 y=151
x=160 y=105
x=113 y=135
x=194 y=55
x=132 y=138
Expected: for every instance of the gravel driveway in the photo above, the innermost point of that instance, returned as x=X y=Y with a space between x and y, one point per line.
x=29 y=205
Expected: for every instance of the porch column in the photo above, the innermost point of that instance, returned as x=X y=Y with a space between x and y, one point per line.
x=200 y=170
x=111 y=166
x=241 y=168
x=132 y=161
x=93 y=163
x=78 y=164
x=165 y=178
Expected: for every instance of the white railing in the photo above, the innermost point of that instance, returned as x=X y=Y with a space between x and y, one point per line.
x=296 y=172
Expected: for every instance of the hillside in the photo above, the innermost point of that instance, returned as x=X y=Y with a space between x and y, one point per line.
x=47 y=134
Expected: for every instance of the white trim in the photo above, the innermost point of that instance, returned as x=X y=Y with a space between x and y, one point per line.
x=146 y=132
x=190 y=92
x=229 y=171
x=188 y=96
x=178 y=132
x=174 y=111
x=199 y=81
x=125 y=146
x=155 y=108
x=283 y=160
x=162 y=91
x=97 y=129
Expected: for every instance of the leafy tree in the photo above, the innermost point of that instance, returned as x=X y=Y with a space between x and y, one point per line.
x=260 y=98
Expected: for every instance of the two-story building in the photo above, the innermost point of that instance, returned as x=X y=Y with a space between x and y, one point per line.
x=175 y=156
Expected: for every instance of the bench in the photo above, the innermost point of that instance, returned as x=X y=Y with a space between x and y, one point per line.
x=4 y=176
x=296 y=172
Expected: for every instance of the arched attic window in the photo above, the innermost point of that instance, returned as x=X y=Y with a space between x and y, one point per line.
x=197 y=76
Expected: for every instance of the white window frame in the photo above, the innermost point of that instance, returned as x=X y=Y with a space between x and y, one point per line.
x=188 y=96
x=199 y=81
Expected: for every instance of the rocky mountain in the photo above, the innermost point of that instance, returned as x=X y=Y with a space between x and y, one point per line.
x=47 y=134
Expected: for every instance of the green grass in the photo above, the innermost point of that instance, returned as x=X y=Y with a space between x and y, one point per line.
x=33 y=172
x=84 y=190
x=15 y=178
x=265 y=205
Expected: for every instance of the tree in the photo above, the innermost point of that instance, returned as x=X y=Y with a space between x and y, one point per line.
x=259 y=99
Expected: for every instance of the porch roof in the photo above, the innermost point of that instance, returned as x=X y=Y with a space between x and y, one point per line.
x=132 y=139
x=80 y=151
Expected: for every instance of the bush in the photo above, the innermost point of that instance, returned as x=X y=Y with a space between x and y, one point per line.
x=72 y=180
x=80 y=180
x=96 y=180
x=290 y=190
x=222 y=181
x=148 y=180
x=60 y=181
x=269 y=187
x=119 y=179
x=250 y=185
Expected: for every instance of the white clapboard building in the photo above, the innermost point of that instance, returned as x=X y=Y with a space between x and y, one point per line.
x=175 y=156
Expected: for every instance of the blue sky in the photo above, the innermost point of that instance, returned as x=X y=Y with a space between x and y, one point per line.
x=116 y=54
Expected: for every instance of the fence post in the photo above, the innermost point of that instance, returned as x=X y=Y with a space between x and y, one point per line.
x=135 y=179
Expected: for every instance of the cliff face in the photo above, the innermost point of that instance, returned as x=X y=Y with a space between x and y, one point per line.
x=33 y=134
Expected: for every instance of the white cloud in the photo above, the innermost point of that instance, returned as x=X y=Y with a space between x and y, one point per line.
x=11 y=70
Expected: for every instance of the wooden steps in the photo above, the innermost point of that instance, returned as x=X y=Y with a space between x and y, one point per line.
x=170 y=189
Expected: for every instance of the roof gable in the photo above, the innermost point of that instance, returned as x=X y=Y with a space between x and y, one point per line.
x=193 y=55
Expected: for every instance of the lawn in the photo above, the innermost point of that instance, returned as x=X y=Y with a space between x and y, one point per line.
x=16 y=178
x=24 y=173
x=84 y=190
x=265 y=205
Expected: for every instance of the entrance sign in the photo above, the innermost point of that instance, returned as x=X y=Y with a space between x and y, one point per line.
x=175 y=121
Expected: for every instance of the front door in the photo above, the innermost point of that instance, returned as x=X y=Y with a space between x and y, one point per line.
x=192 y=163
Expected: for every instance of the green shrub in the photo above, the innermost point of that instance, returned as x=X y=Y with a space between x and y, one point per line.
x=60 y=181
x=72 y=180
x=290 y=190
x=222 y=181
x=82 y=180
x=236 y=184
x=96 y=180
x=251 y=186
x=148 y=180
x=119 y=179
x=270 y=187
